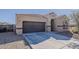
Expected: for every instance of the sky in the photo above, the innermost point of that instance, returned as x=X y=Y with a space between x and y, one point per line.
x=9 y=15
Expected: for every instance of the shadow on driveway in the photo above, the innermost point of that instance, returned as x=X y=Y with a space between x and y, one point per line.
x=65 y=33
x=35 y=38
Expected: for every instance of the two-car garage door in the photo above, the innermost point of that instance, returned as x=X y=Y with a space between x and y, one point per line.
x=29 y=26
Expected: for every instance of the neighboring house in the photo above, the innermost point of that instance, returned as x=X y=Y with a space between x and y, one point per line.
x=27 y=23
x=5 y=27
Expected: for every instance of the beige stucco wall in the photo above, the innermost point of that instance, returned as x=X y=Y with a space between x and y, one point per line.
x=58 y=20
x=28 y=17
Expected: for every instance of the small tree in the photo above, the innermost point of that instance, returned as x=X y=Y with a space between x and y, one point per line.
x=75 y=16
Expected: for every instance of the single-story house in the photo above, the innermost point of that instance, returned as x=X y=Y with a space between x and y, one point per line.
x=27 y=23
x=5 y=27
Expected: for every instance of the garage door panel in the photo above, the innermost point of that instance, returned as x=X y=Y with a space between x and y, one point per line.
x=33 y=27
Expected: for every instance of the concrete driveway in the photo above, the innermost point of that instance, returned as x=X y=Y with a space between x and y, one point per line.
x=46 y=40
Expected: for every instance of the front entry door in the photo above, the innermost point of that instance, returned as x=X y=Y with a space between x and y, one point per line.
x=52 y=24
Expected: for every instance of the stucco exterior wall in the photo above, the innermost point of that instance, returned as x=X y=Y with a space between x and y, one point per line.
x=58 y=20
x=59 y=23
x=28 y=17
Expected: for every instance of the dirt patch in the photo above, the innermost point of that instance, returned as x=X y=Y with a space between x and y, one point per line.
x=10 y=40
x=9 y=37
